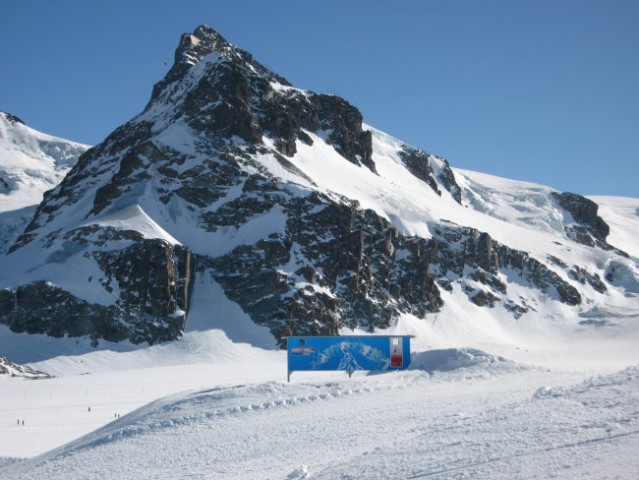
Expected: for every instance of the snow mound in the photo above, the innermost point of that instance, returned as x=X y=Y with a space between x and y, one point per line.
x=585 y=392
x=461 y=359
x=301 y=472
x=194 y=409
x=206 y=347
x=133 y=217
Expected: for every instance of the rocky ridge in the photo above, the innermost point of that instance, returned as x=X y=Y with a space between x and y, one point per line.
x=7 y=367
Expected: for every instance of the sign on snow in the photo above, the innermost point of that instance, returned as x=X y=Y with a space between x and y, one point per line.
x=348 y=353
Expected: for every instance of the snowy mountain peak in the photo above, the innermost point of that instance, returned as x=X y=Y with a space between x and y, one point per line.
x=284 y=202
x=205 y=48
x=18 y=141
x=30 y=164
x=12 y=119
x=193 y=47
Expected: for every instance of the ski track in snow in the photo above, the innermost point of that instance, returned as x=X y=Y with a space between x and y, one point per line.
x=487 y=420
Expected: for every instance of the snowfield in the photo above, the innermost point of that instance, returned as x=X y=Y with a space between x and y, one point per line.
x=206 y=407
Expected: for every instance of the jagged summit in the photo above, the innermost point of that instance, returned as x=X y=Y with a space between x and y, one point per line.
x=218 y=88
x=202 y=42
x=233 y=182
x=12 y=119
x=205 y=45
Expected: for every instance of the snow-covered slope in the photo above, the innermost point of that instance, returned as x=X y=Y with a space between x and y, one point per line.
x=455 y=414
x=622 y=214
x=31 y=163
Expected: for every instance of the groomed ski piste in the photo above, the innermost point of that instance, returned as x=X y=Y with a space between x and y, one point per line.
x=209 y=408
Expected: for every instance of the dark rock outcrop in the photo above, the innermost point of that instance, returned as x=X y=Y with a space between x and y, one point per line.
x=583 y=276
x=12 y=118
x=149 y=280
x=467 y=253
x=589 y=228
x=421 y=165
x=7 y=367
x=334 y=266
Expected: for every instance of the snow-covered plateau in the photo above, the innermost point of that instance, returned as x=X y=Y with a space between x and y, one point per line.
x=145 y=300
x=205 y=407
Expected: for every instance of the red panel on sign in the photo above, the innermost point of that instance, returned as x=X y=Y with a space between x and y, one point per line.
x=303 y=351
x=396 y=361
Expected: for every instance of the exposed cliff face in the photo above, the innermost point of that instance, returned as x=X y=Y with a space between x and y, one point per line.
x=308 y=219
x=588 y=228
x=423 y=166
x=334 y=265
x=148 y=280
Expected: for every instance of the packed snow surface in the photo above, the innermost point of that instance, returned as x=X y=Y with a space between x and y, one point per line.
x=456 y=413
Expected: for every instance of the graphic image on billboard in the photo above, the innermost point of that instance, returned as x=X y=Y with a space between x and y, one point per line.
x=348 y=353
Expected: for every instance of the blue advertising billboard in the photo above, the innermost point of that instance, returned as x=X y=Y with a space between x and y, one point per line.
x=348 y=353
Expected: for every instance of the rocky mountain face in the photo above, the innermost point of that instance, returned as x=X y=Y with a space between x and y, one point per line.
x=227 y=175
x=7 y=367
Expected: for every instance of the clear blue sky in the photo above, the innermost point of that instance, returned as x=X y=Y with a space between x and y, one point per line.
x=545 y=91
